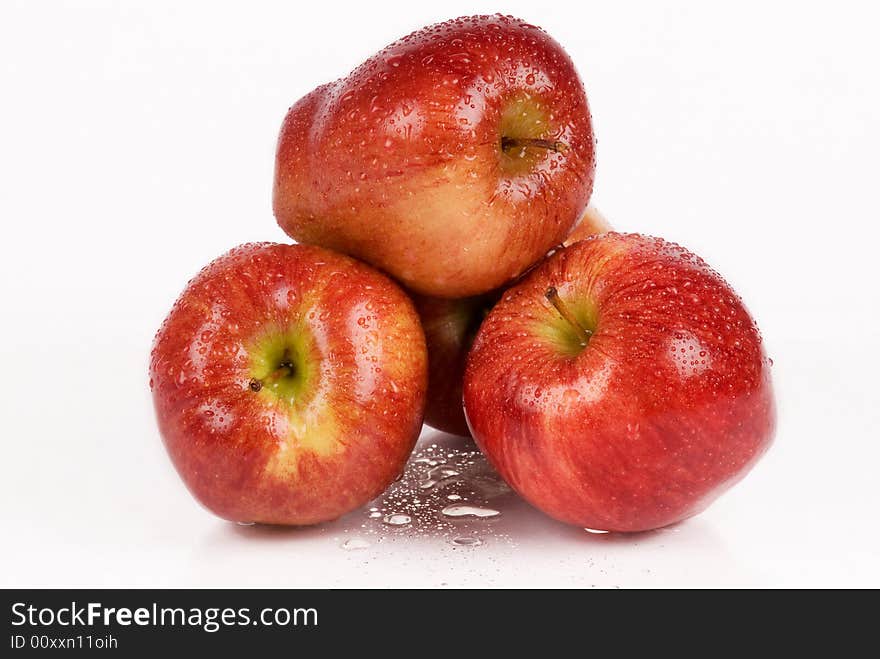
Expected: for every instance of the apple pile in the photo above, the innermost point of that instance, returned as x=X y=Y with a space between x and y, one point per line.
x=448 y=269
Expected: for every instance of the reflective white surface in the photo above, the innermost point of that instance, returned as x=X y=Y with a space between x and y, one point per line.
x=138 y=145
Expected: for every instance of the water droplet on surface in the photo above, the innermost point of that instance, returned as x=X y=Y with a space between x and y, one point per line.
x=355 y=543
x=467 y=541
x=454 y=497
x=425 y=461
x=595 y=531
x=490 y=486
x=397 y=519
x=245 y=523
x=469 y=511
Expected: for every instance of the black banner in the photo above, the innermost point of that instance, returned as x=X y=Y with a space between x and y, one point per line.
x=126 y=622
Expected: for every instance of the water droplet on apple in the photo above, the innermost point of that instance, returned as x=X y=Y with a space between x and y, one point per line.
x=245 y=523
x=595 y=531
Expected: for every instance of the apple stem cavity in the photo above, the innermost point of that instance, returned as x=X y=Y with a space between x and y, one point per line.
x=509 y=143
x=583 y=333
x=285 y=369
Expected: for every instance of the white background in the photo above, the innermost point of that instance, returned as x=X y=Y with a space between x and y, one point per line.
x=137 y=143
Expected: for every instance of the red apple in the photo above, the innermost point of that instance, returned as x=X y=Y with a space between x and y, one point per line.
x=592 y=222
x=469 y=141
x=289 y=384
x=450 y=327
x=621 y=386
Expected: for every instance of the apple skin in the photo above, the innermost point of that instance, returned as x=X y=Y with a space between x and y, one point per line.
x=669 y=404
x=592 y=222
x=328 y=430
x=450 y=328
x=404 y=157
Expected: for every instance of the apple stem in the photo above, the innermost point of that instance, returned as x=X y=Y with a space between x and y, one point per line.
x=583 y=333
x=525 y=142
x=284 y=368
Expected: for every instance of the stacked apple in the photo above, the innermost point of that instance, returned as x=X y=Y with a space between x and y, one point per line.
x=614 y=380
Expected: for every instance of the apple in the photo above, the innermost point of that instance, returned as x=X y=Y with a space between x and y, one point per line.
x=450 y=327
x=289 y=384
x=453 y=159
x=621 y=386
x=592 y=222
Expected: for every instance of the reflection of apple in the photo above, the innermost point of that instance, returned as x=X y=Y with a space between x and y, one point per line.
x=450 y=327
x=470 y=141
x=622 y=385
x=289 y=384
